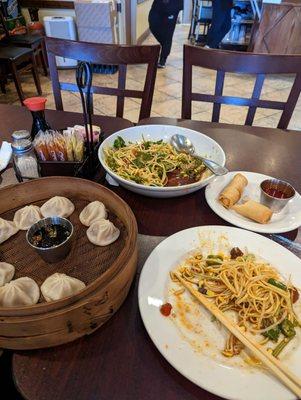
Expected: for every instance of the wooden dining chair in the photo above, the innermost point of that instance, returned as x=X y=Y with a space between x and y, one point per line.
x=243 y=63
x=32 y=41
x=106 y=54
x=14 y=61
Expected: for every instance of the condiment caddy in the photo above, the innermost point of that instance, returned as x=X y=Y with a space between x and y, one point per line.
x=47 y=152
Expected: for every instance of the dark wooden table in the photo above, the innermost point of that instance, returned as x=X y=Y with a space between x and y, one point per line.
x=119 y=361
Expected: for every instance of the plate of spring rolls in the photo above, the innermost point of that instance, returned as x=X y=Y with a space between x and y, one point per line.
x=235 y=197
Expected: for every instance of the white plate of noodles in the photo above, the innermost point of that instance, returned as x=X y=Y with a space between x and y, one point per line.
x=140 y=159
x=197 y=345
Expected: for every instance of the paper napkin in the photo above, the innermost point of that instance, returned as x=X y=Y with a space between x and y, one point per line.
x=5 y=155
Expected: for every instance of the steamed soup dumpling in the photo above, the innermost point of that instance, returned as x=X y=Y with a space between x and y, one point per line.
x=92 y=212
x=19 y=292
x=58 y=286
x=57 y=206
x=7 y=272
x=103 y=232
x=27 y=216
x=7 y=229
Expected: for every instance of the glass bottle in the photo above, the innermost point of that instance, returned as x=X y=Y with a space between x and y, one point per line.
x=36 y=105
x=25 y=161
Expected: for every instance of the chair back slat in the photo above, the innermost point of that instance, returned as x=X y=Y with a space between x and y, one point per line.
x=55 y=81
x=187 y=84
x=121 y=86
x=238 y=101
x=219 y=86
x=291 y=103
x=256 y=95
x=149 y=87
x=244 y=63
x=106 y=54
x=72 y=87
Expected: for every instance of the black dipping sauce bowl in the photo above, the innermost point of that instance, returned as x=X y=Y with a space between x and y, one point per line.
x=56 y=252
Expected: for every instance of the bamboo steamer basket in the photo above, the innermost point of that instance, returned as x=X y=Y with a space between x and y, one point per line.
x=107 y=271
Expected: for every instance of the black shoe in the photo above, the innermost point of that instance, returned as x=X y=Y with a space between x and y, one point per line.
x=161 y=65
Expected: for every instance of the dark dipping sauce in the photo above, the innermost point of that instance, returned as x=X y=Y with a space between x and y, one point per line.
x=50 y=236
x=176 y=178
x=279 y=194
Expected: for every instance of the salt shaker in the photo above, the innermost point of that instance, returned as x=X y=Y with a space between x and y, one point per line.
x=25 y=160
x=20 y=135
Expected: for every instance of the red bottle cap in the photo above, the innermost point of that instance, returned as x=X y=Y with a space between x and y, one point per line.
x=35 y=103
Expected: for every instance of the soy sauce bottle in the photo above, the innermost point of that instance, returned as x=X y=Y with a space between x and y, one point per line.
x=36 y=105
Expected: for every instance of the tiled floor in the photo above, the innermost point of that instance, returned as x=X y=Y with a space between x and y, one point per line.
x=167 y=97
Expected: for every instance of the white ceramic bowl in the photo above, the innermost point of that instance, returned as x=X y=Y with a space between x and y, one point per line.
x=204 y=146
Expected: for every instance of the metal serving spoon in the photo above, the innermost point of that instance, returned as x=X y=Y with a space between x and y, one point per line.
x=182 y=144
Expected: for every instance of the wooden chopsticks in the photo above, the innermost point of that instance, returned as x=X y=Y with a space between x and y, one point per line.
x=278 y=369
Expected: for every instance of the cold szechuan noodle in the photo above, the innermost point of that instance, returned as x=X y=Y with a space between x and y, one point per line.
x=252 y=289
x=153 y=163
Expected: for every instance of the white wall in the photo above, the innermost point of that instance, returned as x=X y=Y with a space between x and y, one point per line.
x=142 y=17
x=186 y=18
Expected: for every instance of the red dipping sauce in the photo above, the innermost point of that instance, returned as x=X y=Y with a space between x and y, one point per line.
x=279 y=194
x=165 y=309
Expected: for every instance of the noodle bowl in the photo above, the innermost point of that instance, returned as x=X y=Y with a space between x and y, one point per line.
x=204 y=146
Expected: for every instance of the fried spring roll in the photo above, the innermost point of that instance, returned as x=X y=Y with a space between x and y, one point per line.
x=255 y=211
x=233 y=191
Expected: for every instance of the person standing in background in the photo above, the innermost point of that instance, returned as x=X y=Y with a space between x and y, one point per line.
x=221 y=22
x=162 y=22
